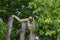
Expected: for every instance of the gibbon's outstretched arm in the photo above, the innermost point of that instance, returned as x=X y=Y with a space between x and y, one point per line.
x=20 y=20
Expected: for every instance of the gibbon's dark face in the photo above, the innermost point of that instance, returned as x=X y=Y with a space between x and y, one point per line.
x=30 y=20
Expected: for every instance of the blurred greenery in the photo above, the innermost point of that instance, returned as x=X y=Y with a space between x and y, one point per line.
x=3 y=30
x=45 y=12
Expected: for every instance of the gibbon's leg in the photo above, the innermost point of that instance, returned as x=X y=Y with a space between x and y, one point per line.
x=10 y=25
x=31 y=26
x=32 y=36
x=22 y=32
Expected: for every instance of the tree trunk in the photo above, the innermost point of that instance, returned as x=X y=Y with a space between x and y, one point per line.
x=10 y=25
x=9 y=8
x=22 y=32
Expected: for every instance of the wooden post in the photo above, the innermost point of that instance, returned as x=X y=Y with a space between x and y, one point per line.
x=22 y=32
x=10 y=25
x=31 y=26
x=29 y=21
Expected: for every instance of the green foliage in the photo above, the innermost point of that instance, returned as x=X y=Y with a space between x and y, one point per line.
x=45 y=12
x=3 y=30
x=48 y=17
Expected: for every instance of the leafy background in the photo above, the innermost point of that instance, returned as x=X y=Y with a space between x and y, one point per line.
x=45 y=12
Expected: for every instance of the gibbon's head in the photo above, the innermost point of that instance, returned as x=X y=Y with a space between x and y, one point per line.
x=31 y=19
